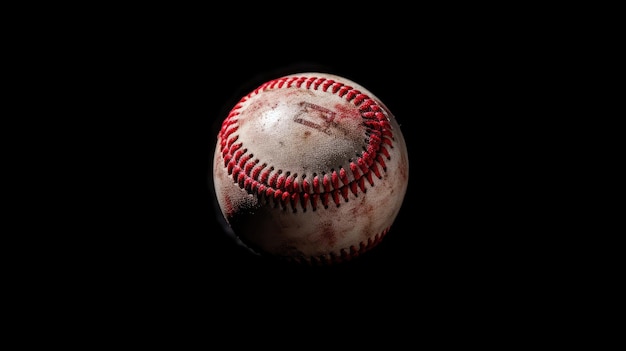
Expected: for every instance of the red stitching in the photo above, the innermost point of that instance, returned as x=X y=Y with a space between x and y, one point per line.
x=286 y=190
x=343 y=255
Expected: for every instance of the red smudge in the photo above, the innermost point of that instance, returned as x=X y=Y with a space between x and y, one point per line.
x=228 y=206
x=404 y=169
x=328 y=235
x=347 y=111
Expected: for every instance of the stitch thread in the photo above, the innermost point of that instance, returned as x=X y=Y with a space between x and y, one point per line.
x=284 y=190
x=344 y=255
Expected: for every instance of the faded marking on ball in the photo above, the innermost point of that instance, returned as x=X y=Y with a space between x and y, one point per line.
x=315 y=116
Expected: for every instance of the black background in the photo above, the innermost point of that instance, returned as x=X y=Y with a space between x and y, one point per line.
x=463 y=232
x=478 y=249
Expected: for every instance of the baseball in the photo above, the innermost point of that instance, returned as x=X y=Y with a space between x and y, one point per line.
x=311 y=168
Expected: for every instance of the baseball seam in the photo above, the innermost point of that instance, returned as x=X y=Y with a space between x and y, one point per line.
x=286 y=189
x=343 y=255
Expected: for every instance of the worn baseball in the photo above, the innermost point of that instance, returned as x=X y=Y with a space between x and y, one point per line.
x=311 y=168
